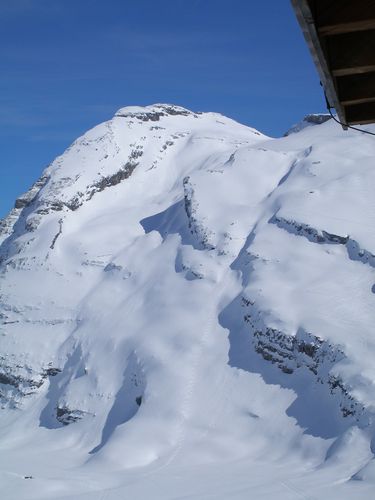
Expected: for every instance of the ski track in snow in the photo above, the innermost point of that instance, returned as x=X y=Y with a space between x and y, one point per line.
x=185 y=410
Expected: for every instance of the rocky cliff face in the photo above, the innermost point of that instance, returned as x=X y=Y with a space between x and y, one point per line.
x=176 y=283
x=7 y=224
x=308 y=121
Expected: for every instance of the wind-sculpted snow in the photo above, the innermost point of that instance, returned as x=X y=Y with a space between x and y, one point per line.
x=187 y=309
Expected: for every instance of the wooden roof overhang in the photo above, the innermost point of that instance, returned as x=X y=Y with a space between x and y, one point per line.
x=341 y=38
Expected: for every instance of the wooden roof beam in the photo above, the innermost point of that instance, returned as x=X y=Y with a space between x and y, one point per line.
x=334 y=17
x=357 y=88
x=338 y=29
x=351 y=53
x=360 y=113
x=361 y=100
x=353 y=70
x=341 y=37
x=305 y=18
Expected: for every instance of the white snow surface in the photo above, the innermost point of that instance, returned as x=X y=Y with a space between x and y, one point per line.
x=187 y=311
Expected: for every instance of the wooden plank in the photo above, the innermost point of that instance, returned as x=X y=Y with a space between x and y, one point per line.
x=351 y=53
x=354 y=70
x=357 y=88
x=306 y=21
x=361 y=100
x=362 y=122
x=337 y=29
x=342 y=16
x=360 y=113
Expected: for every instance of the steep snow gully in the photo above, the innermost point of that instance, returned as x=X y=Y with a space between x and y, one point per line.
x=187 y=310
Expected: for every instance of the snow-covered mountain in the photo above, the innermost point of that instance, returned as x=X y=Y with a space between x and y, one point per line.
x=187 y=310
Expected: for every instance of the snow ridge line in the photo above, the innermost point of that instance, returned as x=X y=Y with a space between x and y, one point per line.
x=302 y=156
x=354 y=251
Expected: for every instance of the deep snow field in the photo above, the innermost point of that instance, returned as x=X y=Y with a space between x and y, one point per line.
x=187 y=311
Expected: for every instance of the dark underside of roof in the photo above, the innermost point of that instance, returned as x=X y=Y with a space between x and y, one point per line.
x=341 y=38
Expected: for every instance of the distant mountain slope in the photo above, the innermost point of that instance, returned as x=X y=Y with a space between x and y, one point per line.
x=177 y=291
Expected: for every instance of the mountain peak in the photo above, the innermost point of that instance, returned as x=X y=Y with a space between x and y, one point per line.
x=154 y=112
x=190 y=293
x=308 y=121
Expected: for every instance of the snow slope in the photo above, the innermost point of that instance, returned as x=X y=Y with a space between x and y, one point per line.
x=187 y=311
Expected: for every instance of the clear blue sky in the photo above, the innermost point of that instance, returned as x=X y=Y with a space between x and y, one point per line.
x=66 y=65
